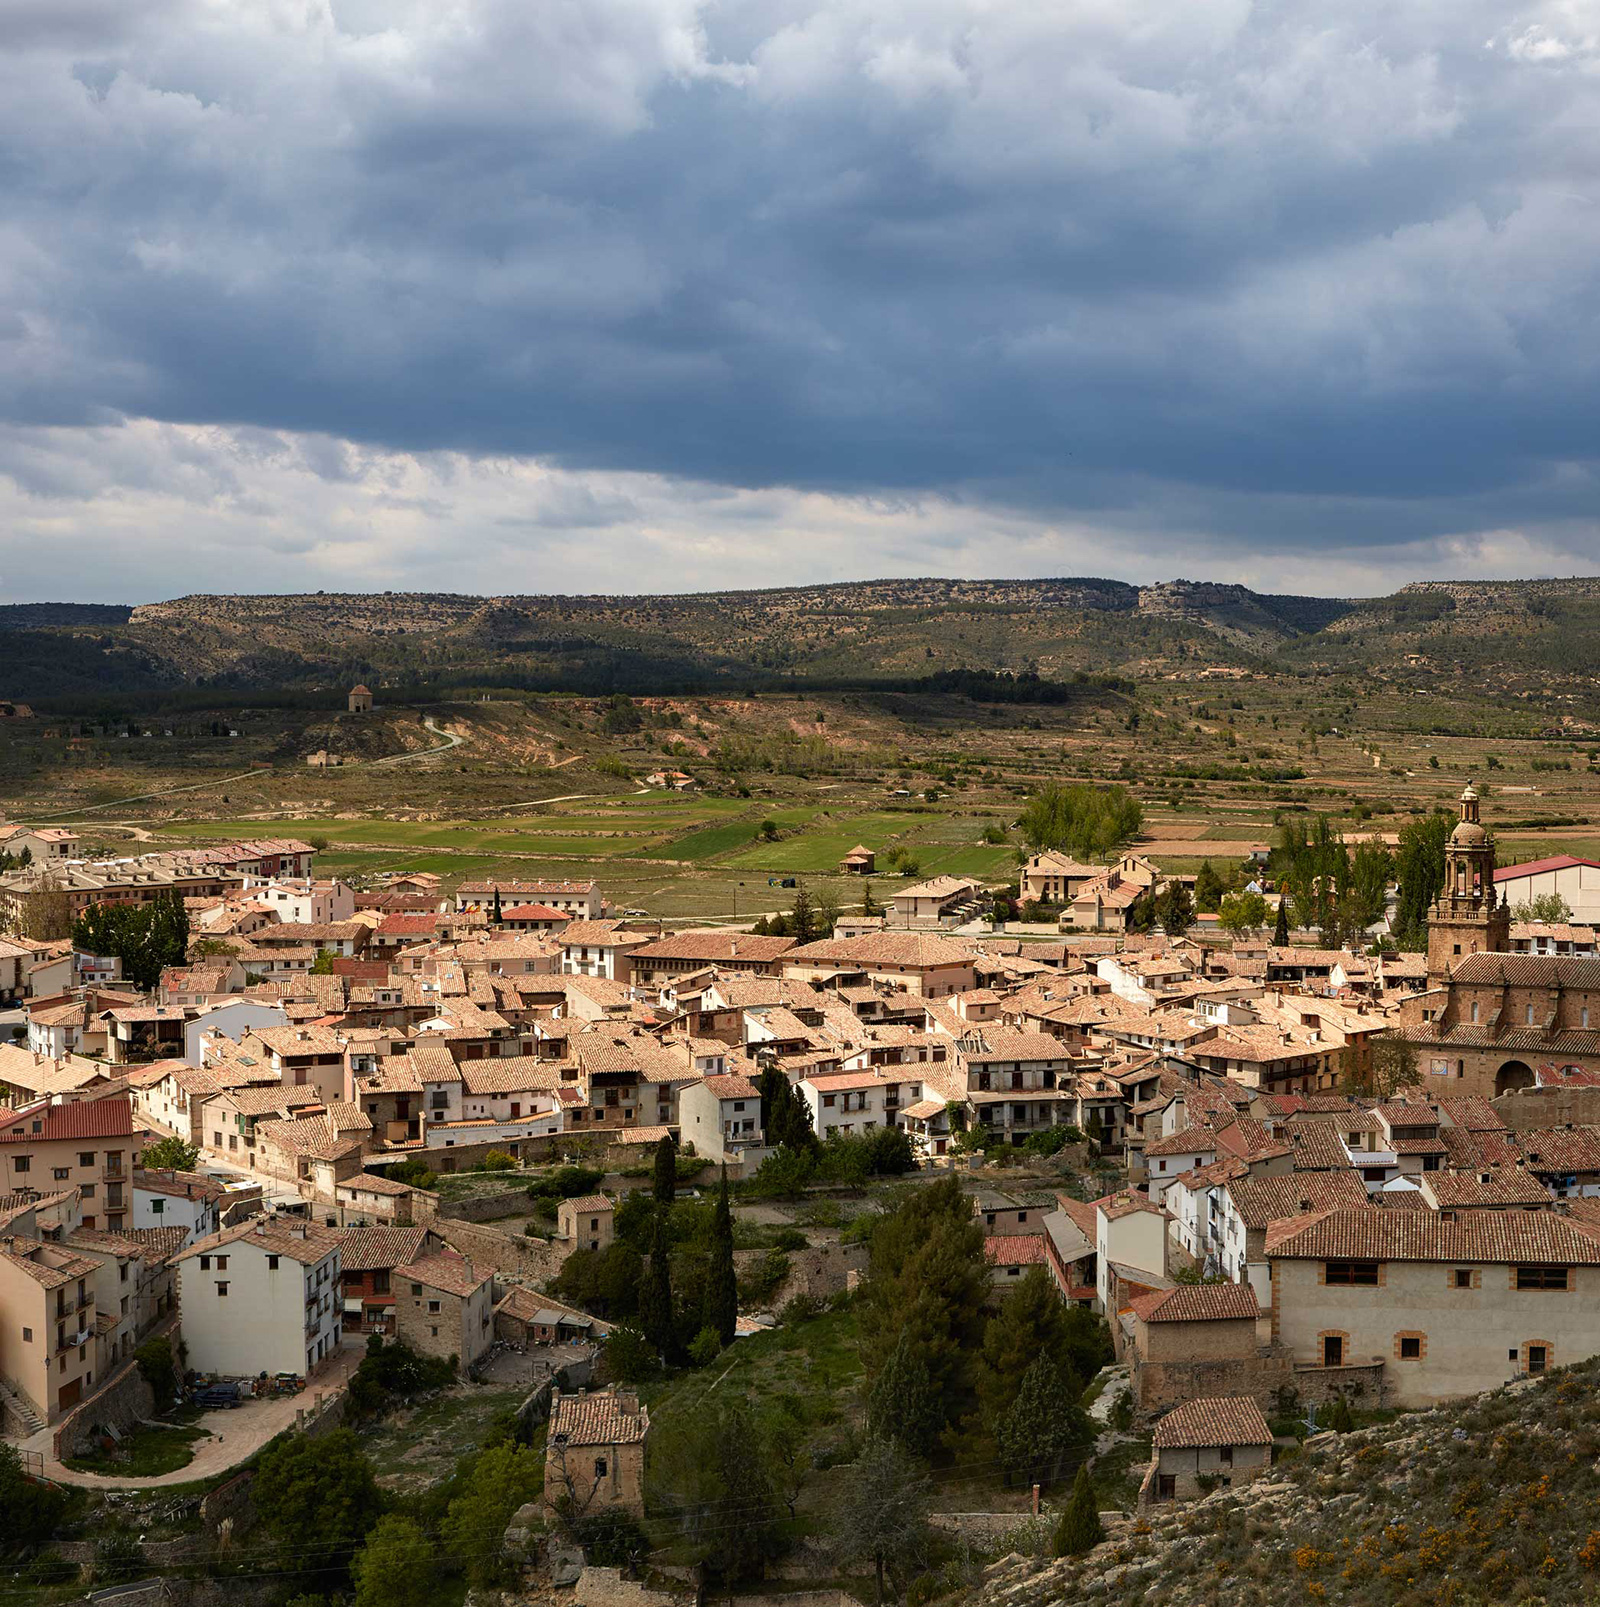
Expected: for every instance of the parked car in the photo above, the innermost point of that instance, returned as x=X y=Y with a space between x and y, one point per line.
x=215 y=1395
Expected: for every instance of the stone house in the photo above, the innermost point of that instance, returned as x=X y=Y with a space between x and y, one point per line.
x=1424 y=1310
x=1197 y=1340
x=368 y=1257
x=444 y=1307
x=594 y=1457
x=1203 y=1444
x=586 y=1223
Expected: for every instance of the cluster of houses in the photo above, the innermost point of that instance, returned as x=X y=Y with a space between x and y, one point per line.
x=1290 y=1218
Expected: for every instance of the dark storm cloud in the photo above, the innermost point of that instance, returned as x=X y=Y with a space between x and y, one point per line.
x=1285 y=279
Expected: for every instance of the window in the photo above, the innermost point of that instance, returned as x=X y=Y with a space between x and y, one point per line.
x=222 y=1290
x=1541 y=1277
x=86 y=1158
x=1166 y=1486
x=433 y=1308
x=1410 y=1348
x=205 y=1263
x=1332 y=1350
x=1538 y=1358
x=158 y=1208
x=20 y=1164
x=27 y=1336
x=87 y=1191
x=599 y=1467
x=222 y=1263
x=1462 y=1278
x=61 y=1173
x=1226 y=1454
x=272 y=1263
x=416 y=1289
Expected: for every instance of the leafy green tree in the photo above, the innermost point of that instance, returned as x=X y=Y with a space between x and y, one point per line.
x=500 y=1481
x=1340 y=1419
x=1242 y=912
x=157 y=1369
x=396 y=1567
x=903 y=1403
x=879 y=1512
x=317 y=1497
x=147 y=938
x=1551 y=907
x=29 y=1512
x=323 y=964
x=606 y=1281
x=1394 y=1066
x=1080 y=818
x=630 y=1358
x=708 y=1480
x=1419 y=868
x=1366 y=895
x=1174 y=909
x=169 y=1155
x=1207 y=888
x=1043 y=1425
x=1140 y=916
x=1079 y=1529
x=722 y=1295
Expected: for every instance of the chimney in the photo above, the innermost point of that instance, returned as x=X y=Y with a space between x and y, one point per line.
x=627 y=1402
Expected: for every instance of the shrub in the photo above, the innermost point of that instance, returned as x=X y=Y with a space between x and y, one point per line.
x=790 y=1239
x=497 y=1160
x=705 y=1347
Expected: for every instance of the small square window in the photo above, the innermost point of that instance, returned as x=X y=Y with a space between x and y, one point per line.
x=1410 y=1348
x=27 y=1336
x=222 y=1290
x=1463 y=1277
x=272 y=1263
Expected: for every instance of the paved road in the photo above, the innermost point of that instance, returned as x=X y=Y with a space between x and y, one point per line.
x=450 y=741
x=235 y=1435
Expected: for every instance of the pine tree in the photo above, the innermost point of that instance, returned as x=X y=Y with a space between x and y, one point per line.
x=903 y=1404
x=1280 y=930
x=1042 y=1425
x=655 y=1294
x=1207 y=887
x=1079 y=1529
x=802 y=925
x=722 y=1291
x=665 y=1184
x=869 y=905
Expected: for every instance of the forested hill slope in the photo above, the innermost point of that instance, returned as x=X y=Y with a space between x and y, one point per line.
x=849 y=634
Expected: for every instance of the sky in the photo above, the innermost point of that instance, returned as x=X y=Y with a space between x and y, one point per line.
x=666 y=295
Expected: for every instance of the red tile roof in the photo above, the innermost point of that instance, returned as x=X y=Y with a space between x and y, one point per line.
x=1535 y=1238
x=86 y=1118
x=1197 y=1302
x=1535 y=867
x=1015 y=1249
x=1225 y=1420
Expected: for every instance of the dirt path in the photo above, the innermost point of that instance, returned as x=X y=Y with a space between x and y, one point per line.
x=235 y=1435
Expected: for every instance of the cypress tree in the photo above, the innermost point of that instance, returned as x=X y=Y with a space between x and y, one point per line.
x=655 y=1294
x=494 y=914
x=1280 y=930
x=1079 y=1529
x=665 y=1183
x=722 y=1292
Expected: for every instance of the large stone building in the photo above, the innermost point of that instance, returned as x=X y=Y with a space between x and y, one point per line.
x=594 y=1457
x=1491 y=1020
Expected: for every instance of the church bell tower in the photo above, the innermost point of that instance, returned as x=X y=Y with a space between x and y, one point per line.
x=1466 y=918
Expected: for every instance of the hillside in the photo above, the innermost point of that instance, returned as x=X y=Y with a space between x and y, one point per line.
x=1490 y=1500
x=847 y=635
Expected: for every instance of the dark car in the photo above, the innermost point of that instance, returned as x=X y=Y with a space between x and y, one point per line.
x=218 y=1395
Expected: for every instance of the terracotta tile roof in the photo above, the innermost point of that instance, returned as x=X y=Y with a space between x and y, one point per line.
x=1126 y=1203
x=908 y=950
x=1528 y=1237
x=714 y=947
x=47 y=1264
x=1015 y=1249
x=1217 y=1420
x=373 y=1249
x=1261 y=1201
x=1505 y=1185
x=372 y=1183
x=1197 y=1302
x=452 y=1273
x=1562 y=1149
x=597 y=1420
x=511 y=1074
x=1186 y=1141
x=303 y=1241
x=590 y=1202
x=1317 y=1147
x=1529 y=970
x=85 y=1118
x=732 y=1087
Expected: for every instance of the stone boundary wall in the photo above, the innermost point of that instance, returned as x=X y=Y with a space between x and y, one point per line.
x=511 y=1255
x=1548 y=1107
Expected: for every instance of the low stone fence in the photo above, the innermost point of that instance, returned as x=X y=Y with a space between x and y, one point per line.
x=121 y=1401
x=511 y=1255
x=1361 y=1382
x=484 y=1207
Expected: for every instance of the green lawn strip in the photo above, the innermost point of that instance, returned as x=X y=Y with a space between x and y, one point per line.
x=146 y=1453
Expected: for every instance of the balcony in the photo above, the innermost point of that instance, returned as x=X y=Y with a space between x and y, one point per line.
x=70 y=1308
x=72 y=1341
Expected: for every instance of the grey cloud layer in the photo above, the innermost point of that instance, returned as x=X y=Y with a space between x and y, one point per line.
x=1271 y=278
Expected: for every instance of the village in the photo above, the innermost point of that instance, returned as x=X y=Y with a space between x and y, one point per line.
x=1257 y=1187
